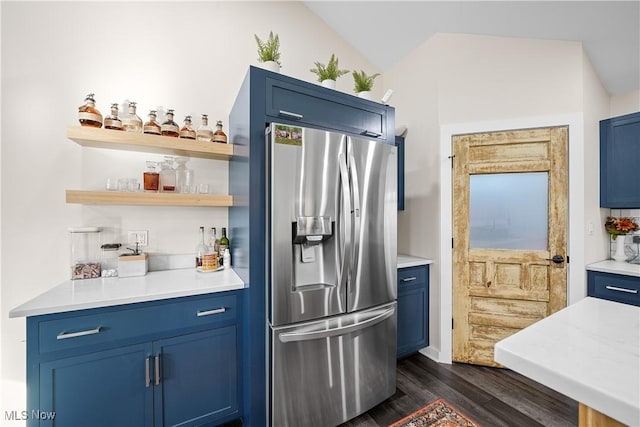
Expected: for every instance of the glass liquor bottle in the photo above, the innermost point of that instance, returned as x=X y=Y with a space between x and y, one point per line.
x=219 y=135
x=215 y=242
x=88 y=114
x=167 y=175
x=152 y=126
x=169 y=127
x=204 y=133
x=131 y=122
x=224 y=241
x=151 y=177
x=113 y=121
x=201 y=248
x=187 y=131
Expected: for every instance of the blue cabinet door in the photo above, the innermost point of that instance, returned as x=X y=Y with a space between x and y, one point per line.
x=619 y=160
x=199 y=381
x=107 y=388
x=413 y=309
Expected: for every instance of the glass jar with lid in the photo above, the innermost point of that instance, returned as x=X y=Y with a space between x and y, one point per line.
x=85 y=252
x=185 y=180
x=167 y=175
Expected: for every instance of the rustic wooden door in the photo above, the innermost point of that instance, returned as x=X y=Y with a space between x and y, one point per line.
x=509 y=223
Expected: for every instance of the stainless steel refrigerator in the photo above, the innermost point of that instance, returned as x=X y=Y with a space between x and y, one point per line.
x=332 y=279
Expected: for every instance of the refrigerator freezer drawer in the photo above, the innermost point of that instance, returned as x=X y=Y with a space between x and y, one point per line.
x=329 y=371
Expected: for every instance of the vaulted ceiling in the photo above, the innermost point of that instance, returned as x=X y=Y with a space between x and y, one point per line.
x=386 y=31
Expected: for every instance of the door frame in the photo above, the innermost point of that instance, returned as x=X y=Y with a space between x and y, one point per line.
x=576 y=289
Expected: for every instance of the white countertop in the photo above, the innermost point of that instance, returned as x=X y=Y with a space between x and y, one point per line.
x=589 y=351
x=109 y=291
x=412 y=261
x=615 y=267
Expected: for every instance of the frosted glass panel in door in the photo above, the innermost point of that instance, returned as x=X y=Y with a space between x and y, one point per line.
x=509 y=211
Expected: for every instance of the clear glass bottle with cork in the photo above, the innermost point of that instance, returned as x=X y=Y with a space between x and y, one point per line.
x=219 y=135
x=131 y=122
x=152 y=126
x=88 y=114
x=169 y=127
x=187 y=131
x=204 y=132
x=112 y=121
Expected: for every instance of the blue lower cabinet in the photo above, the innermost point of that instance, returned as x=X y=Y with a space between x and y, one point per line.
x=106 y=388
x=413 y=309
x=89 y=371
x=199 y=378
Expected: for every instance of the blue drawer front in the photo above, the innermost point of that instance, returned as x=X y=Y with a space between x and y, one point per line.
x=614 y=287
x=86 y=329
x=412 y=276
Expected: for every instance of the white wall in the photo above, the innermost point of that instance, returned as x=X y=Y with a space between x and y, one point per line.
x=626 y=103
x=462 y=83
x=188 y=56
x=596 y=108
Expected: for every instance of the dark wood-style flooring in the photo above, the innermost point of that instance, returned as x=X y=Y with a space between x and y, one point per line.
x=492 y=397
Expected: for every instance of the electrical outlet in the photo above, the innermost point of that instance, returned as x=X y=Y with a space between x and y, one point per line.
x=636 y=239
x=141 y=237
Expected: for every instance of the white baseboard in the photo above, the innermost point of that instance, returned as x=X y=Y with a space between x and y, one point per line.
x=433 y=354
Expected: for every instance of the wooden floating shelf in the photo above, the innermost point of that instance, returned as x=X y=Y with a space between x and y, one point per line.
x=119 y=140
x=147 y=199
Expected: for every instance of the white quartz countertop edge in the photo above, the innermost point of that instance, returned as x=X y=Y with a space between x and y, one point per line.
x=615 y=267
x=111 y=291
x=589 y=351
x=405 y=261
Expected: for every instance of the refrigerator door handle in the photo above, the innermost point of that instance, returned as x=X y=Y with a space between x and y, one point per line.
x=356 y=218
x=347 y=221
x=332 y=332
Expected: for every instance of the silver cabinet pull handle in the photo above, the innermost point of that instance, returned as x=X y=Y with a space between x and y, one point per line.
x=290 y=114
x=147 y=374
x=65 y=335
x=371 y=133
x=157 y=363
x=409 y=279
x=210 y=312
x=615 y=288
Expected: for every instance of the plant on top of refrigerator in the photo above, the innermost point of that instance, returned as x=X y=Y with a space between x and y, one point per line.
x=331 y=71
x=269 y=50
x=362 y=82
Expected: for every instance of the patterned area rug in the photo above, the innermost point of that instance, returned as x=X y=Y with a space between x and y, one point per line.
x=436 y=414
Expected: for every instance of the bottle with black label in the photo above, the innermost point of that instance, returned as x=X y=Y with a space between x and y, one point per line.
x=169 y=127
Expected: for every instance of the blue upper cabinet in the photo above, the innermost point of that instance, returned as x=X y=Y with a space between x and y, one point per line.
x=294 y=101
x=620 y=162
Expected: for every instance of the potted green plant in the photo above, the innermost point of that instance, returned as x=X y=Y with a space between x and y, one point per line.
x=362 y=83
x=328 y=74
x=269 y=52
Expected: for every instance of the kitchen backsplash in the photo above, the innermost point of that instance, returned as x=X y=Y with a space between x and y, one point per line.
x=631 y=249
